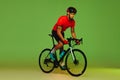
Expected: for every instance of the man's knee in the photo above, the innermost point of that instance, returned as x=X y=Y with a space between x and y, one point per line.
x=60 y=43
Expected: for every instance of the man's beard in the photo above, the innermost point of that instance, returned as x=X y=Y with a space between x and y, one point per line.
x=70 y=18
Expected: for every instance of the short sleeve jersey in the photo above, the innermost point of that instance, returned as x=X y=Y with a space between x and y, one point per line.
x=64 y=22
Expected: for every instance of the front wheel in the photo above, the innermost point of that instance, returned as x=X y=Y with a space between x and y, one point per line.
x=45 y=62
x=77 y=66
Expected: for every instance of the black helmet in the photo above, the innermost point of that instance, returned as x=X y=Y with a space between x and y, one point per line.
x=72 y=10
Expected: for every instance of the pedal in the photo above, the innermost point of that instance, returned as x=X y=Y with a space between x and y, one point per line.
x=56 y=64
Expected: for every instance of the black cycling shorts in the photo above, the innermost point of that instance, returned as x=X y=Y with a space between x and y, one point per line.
x=54 y=33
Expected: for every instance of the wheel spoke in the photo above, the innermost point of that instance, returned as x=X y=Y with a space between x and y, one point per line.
x=45 y=62
x=78 y=66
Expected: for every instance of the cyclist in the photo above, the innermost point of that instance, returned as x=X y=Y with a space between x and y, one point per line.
x=58 y=29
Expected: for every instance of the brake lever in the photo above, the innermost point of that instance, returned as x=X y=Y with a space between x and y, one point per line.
x=81 y=40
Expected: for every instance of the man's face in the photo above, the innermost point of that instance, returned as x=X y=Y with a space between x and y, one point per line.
x=71 y=15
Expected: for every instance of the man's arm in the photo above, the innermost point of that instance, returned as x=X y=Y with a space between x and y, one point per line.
x=74 y=35
x=59 y=29
x=73 y=32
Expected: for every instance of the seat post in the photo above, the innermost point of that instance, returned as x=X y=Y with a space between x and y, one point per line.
x=52 y=39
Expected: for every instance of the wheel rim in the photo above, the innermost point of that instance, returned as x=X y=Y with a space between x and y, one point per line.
x=44 y=61
x=78 y=66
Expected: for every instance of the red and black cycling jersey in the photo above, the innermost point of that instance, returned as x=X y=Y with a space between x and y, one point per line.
x=64 y=22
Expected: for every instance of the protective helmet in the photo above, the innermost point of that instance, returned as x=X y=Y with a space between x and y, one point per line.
x=71 y=10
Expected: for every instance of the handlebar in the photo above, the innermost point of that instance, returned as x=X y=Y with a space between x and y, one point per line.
x=73 y=39
x=69 y=40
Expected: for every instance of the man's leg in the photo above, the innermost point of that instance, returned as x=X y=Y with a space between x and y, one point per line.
x=61 y=49
x=58 y=46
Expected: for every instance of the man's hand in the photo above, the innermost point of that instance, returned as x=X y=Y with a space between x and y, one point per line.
x=77 y=42
x=65 y=42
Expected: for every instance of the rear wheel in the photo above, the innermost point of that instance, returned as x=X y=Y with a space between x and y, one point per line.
x=78 y=66
x=45 y=62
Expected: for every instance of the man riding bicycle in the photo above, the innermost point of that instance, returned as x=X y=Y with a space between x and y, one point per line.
x=61 y=25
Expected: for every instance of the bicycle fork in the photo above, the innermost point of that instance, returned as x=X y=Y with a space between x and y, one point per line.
x=73 y=56
x=75 y=61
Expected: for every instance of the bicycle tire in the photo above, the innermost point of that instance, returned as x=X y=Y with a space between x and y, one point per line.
x=44 y=61
x=69 y=62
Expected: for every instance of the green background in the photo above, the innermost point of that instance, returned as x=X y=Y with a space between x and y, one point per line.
x=25 y=25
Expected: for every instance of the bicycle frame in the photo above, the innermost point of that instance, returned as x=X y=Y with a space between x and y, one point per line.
x=72 y=58
x=68 y=51
x=62 y=56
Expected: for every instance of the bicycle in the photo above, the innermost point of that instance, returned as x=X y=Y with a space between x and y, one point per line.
x=75 y=60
